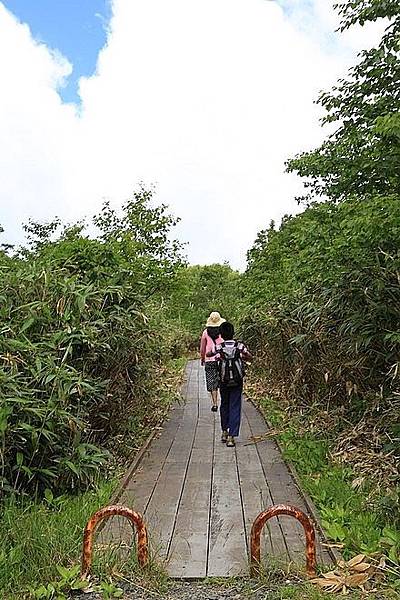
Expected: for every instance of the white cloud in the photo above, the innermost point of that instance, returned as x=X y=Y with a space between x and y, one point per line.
x=204 y=98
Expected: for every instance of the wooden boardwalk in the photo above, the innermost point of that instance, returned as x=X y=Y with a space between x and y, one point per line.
x=199 y=498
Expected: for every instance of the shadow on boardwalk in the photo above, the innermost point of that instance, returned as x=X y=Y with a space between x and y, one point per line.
x=200 y=498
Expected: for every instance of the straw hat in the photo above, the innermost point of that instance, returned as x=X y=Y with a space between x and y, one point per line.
x=214 y=320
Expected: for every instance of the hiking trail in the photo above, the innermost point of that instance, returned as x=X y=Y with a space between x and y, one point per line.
x=200 y=498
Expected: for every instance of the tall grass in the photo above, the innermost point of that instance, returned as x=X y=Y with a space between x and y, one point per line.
x=38 y=536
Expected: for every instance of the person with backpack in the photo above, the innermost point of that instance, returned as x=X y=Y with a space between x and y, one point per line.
x=209 y=339
x=231 y=355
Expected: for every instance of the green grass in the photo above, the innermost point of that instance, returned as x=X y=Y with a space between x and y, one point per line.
x=345 y=516
x=360 y=519
x=35 y=538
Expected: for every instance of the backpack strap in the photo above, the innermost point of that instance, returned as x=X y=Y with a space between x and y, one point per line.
x=237 y=350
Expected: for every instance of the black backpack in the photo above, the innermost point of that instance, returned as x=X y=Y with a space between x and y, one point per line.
x=231 y=366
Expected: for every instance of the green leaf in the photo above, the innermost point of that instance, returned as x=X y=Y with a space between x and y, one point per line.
x=72 y=467
x=27 y=324
x=48 y=494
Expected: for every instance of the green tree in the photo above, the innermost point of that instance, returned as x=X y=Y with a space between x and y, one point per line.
x=201 y=289
x=362 y=156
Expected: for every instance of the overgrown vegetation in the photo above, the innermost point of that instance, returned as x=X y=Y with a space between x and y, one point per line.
x=353 y=515
x=41 y=541
x=361 y=157
x=88 y=324
x=327 y=316
x=36 y=537
x=199 y=290
x=82 y=344
x=322 y=302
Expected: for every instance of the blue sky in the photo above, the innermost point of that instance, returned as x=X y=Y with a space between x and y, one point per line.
x=77 y=28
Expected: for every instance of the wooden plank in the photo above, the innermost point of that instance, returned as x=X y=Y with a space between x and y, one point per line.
x=155 y=490
x=227 y=548
x=284 y=490
x=189 y=544
x=140 y=487
x=160 y=513
x=188 y=550
x=276 y=475
x=256 y=495
x=164 y=503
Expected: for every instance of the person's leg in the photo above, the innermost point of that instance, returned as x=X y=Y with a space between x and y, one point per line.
x=212 y=380
x=235 y=409
x=224 y=412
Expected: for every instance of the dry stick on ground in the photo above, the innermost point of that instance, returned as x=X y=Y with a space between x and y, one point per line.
x=255 y=439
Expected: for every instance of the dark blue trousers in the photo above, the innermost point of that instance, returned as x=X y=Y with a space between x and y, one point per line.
x=231 y=408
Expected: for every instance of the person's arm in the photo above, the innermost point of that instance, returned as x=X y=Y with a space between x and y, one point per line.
x=246 y=356
x=203 y=345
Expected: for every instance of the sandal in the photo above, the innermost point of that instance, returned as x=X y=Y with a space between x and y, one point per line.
x=230 y=442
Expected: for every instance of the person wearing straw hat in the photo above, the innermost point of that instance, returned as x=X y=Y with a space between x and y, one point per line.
x=209 y=339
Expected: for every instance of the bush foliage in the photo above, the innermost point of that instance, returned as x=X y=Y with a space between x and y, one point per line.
x=323 y=292
x=200 y=290
x=327 y=298
x=81 y=343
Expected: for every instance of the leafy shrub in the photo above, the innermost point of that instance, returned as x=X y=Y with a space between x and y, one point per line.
x=327 y=331
x=79 y=346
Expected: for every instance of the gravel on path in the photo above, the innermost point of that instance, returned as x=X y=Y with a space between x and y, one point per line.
x=190 y=590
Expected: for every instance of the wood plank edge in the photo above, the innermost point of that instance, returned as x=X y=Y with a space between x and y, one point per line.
x=133 y=466
x=138 y=456
x=312 y=509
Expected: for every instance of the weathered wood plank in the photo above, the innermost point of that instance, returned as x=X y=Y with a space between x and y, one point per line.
x=187 y=555
x=256 y=495
x=156 y=487
x=276 y=478
x=227 y=550
x=188 y=550
x=283 y=489
x=163 y=506
x=140 y=487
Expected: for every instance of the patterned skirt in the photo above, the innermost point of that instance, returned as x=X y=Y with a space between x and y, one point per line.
x=212 y=375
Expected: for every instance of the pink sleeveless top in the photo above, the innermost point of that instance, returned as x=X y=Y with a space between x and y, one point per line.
x=208 y=345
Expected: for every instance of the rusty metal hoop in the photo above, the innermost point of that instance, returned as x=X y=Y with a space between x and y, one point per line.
x=135 y=519
x=273 y=511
